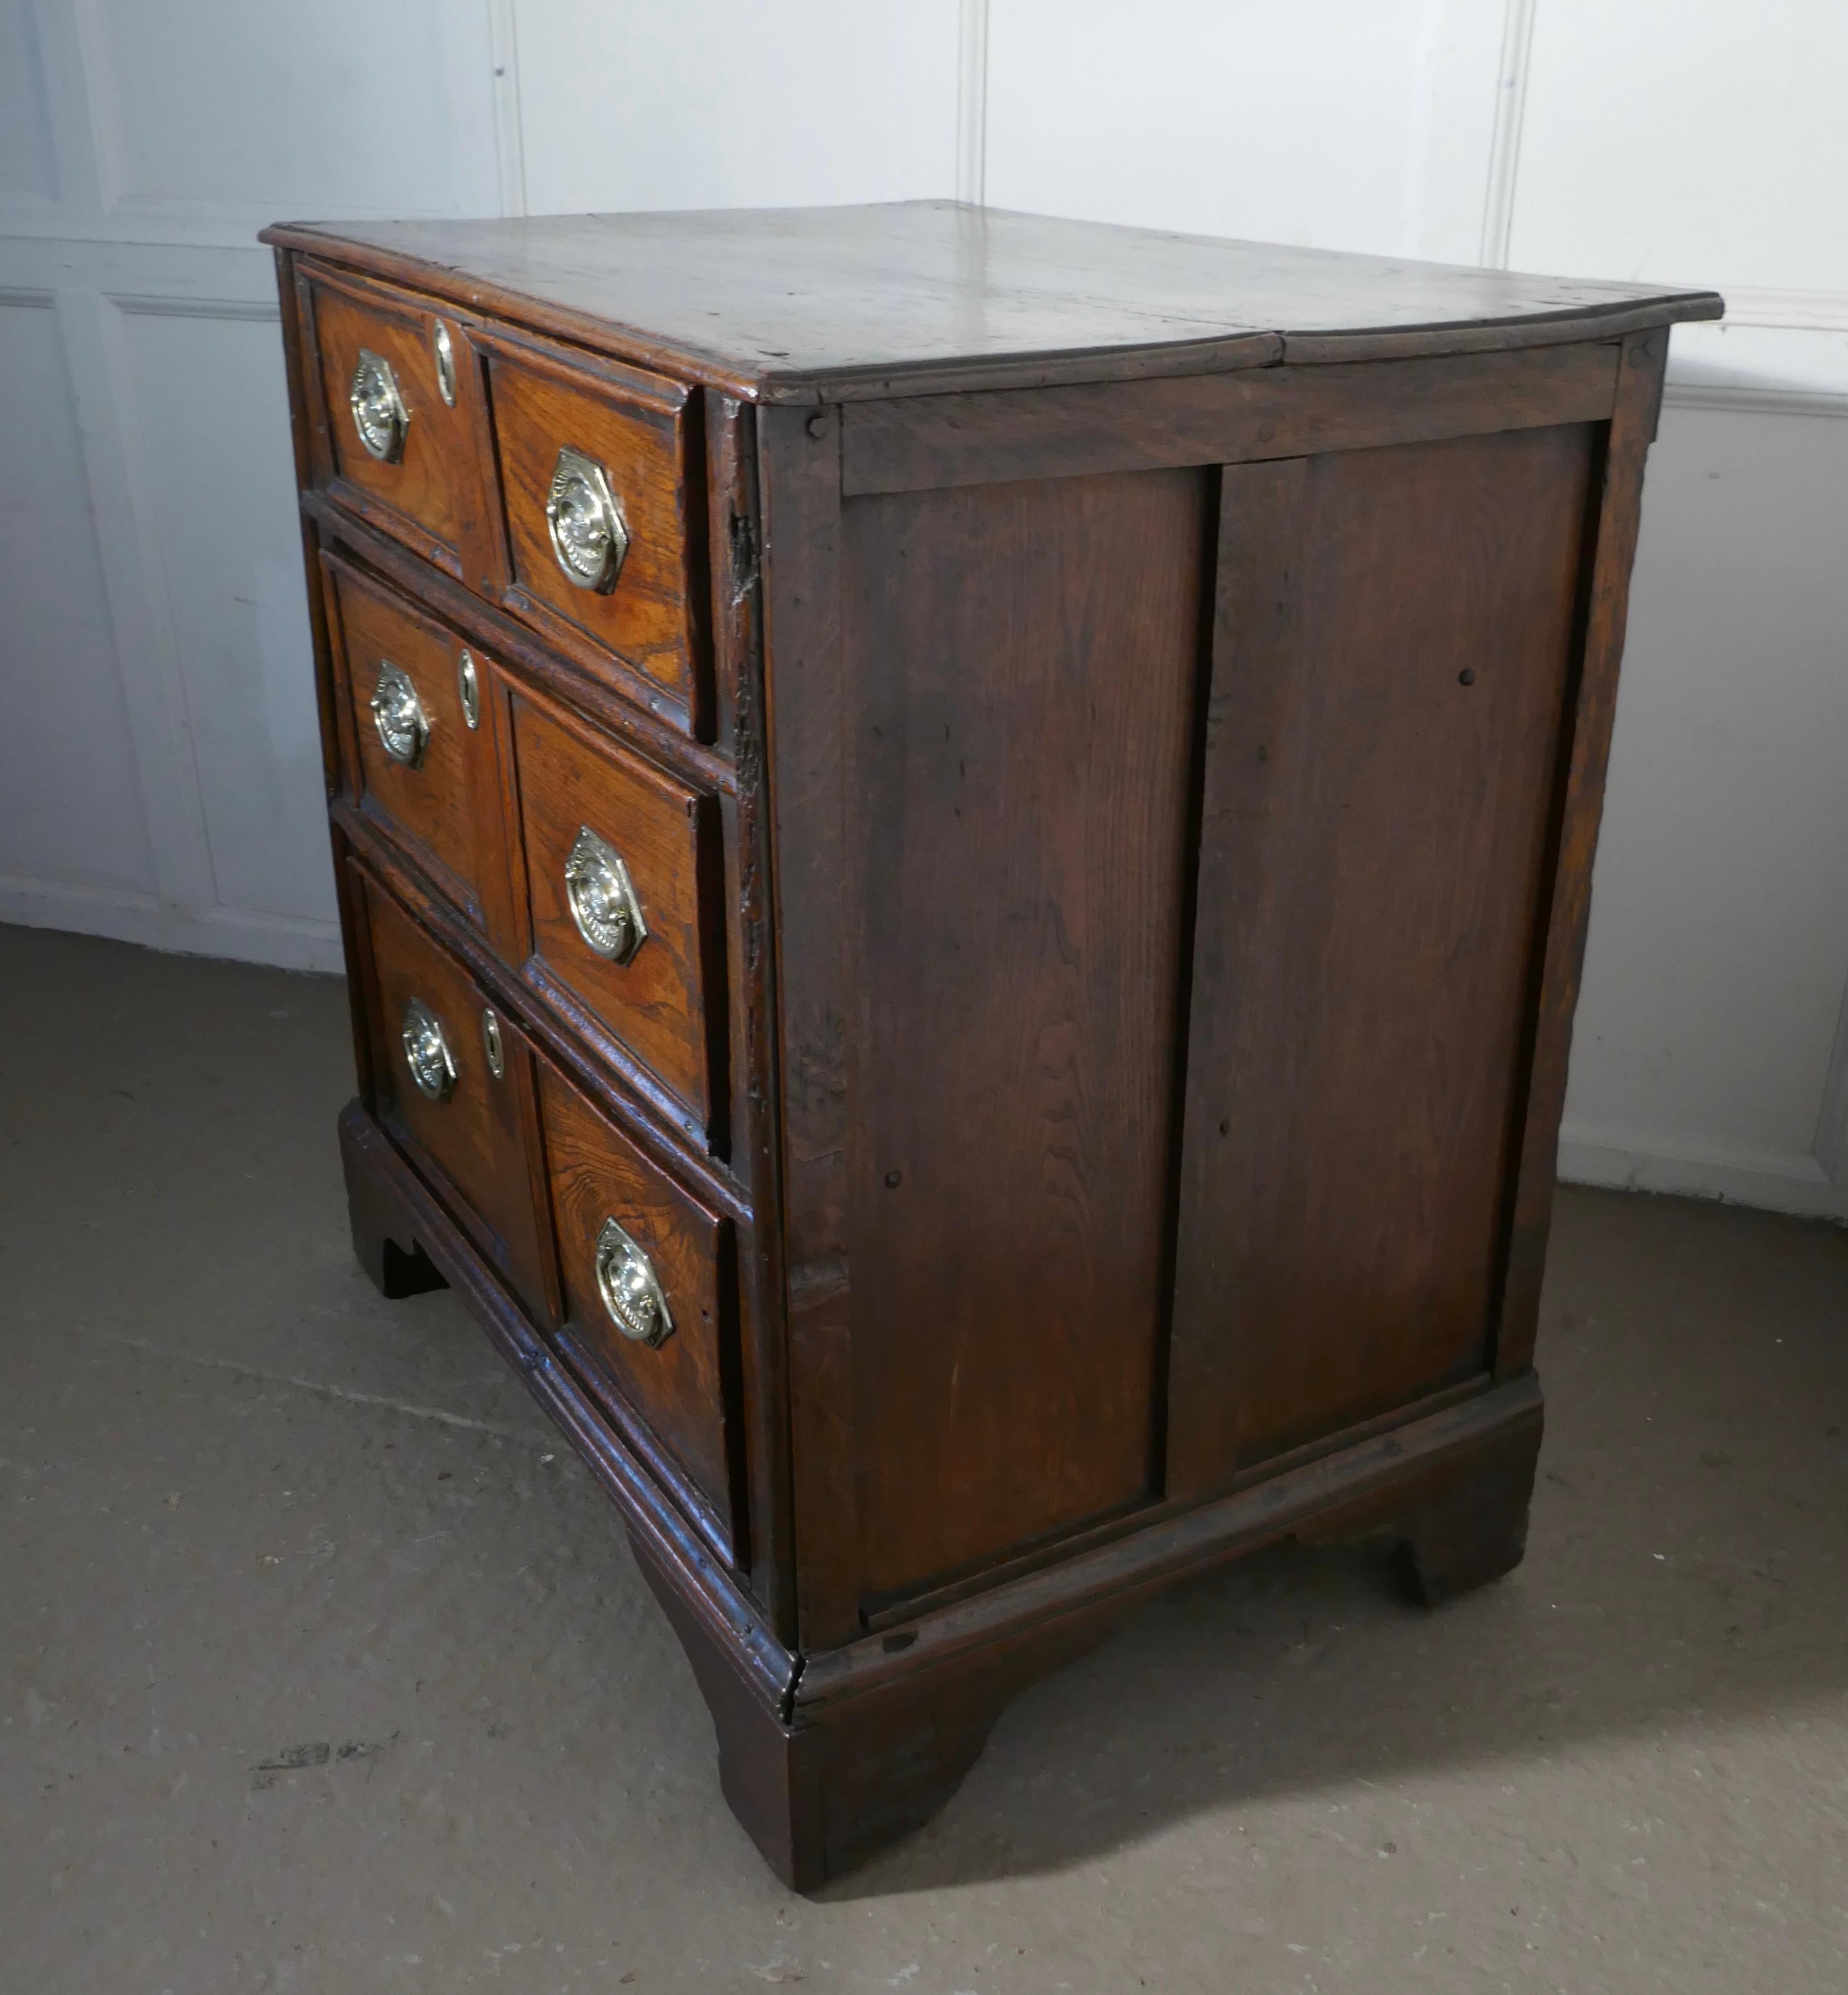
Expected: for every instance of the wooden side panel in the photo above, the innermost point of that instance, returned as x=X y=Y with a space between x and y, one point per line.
x=914 y=443
x=1594 y=703
x=735 y=538
x=1393 y=646
x=806 y=713
x=1025 y=659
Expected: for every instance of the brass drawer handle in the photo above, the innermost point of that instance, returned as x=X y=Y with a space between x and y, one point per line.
x=379 y=411
x=426 y=1051
x=626 y=1281
x=588 y=536
x=603 y=898
x=445 y=352
x=398 y=713
x=471 y=686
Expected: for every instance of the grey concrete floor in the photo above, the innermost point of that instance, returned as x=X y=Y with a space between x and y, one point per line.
x=326 y=1668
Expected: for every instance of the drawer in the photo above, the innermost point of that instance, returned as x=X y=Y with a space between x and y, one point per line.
x=453 y=1077
x=404 y=428
x=421 y=714
x=605 y=541
x=648 y=1283
x=622 y=876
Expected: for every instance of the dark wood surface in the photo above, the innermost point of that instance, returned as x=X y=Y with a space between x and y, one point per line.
x=685 y=1389
x=1111 y=757
x=914 y=445
x=445 y=807
x=634 y=426
x=735 y=543
x=1393 y=646
x=812 y=303
x=1020 y=872
x=433 y=496
x=477 y=1139
x=807 y=723
x=656 y=1003
x=1599 y=647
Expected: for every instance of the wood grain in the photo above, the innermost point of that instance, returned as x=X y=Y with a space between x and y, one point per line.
x=807 y=722
x=656 y=1003
x=561 y=1043
x=806 y=305
x=735 y=539
x=651 y=618
x=447 y=809
x=1565 y=914
x=1391 y=653
x=434 y=497
x=516 y=647
x=1020 y=829
x=477 y=1139
x=917 y=443
x=679 y=1390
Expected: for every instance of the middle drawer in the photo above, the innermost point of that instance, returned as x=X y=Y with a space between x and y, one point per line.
x=417 y=714
x=623 y=878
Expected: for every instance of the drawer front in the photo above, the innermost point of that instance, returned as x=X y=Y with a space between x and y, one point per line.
x=403 y=426
x=420 y=711
x=436 y=1045
x=647 y=1286
x=595 y=822
x=599 y=520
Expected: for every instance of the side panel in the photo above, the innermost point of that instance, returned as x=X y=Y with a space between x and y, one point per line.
x=1024 y=660
x=1392 y=660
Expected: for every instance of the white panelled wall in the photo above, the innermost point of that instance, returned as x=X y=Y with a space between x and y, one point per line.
x=159 y=772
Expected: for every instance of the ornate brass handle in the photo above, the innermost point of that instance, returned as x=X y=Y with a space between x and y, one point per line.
x=588 y=536
x=471 y=686
x=626 y=1281
x=445 y=352
x=603 y=899
x=379 y=411
x=398 y=713
x=426 y=1051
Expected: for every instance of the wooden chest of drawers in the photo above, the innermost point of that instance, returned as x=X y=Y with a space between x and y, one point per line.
x=965 y=843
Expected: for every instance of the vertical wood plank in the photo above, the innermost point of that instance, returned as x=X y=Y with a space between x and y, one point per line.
x=1619 y=510
x=733 y=535
x=1024 y=659
x=1256 y=623
x=809 y=732
x=1391 y=687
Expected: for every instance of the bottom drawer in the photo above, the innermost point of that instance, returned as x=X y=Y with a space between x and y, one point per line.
x=454 y=1078
x=648 y=1282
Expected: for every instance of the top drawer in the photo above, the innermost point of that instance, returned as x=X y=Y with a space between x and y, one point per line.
x=604 y=541
x=404 y=423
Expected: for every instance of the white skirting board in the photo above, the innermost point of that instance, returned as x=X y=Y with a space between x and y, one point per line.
x=1628 y=1161
x=286 y=942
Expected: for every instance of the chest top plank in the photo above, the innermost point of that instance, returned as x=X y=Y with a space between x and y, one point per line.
x=822 y=304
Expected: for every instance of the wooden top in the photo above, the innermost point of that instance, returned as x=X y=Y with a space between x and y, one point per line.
x=808 y=304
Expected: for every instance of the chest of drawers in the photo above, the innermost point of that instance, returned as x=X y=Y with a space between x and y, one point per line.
x=964 y=844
